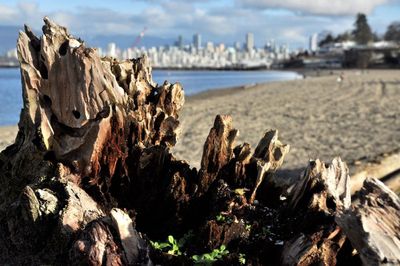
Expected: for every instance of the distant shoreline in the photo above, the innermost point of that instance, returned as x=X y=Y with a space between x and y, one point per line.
x=9 y=66
x=261 y=68
x=233 y=68
x=256 y=68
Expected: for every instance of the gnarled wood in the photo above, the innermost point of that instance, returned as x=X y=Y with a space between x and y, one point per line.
x=373 y=224
x=218 y=150
x=331 y=182
x=269 y=155
x=319 y=194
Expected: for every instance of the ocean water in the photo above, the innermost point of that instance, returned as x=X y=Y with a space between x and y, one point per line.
x=192 y=81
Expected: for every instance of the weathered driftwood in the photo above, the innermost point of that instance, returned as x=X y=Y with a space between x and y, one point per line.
x=373 y=224
x=269 y=155
x=319 y=194
x=90 y=178
x=93 y=133
x=218 y=150
x=386 y=168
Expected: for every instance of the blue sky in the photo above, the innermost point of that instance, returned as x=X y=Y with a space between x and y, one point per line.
x=286 y=21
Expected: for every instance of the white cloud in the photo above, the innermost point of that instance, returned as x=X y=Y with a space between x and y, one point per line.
x=7 y=14
x=317 y=7
x=267 y=19
x=295 y=34
x=27 y=8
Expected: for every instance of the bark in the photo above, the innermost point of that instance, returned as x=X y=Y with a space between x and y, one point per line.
x=94 y=134
x=373 y=224
x=319 y=195
x=90 y=178
x=218 y=150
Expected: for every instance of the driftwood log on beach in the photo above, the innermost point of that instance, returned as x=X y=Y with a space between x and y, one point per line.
x=91 y=180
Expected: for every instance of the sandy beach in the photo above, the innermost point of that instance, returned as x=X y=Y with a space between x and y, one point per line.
x=7 y=135
x=357 y=119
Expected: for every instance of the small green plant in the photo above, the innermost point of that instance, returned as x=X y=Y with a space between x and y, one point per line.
x=174 y=246
x=158 y=245
x=241 y=191
x=242 y=259
x=220 y=218
x=248 y=227
x=209 y=258
x=171 y=247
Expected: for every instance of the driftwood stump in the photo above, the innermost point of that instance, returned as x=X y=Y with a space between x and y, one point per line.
x=91 y=180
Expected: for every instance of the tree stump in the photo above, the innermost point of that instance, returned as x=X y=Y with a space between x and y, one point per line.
x=91 y=180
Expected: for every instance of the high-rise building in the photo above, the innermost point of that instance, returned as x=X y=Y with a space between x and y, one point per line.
x=249 y=41
x=313 y=46
x=210 y=47
x=179 y=42
x=112 y=50
x=221 y=47
x=197 y=41
x=237 y=46
x=273 y=45
x=12 y=53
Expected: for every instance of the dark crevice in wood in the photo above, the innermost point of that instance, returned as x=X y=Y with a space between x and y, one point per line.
x=76 y=114
x=43 y=71
x=47 y=101
x=64 y=48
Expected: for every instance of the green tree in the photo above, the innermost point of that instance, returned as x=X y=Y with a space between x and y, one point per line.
x=393 y=32
x=328 y=39
x=346 y=36
x=362 y=32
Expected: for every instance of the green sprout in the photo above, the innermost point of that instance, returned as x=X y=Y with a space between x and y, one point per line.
x=171 y=247
x=248 y=227
x=241 y=191
x=159 y=246
x=209 y=258
x=220 y=218
x=242 y=259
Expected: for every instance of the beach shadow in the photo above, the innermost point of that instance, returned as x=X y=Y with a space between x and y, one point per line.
x=289 y=176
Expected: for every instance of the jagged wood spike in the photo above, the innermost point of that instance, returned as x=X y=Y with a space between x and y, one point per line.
x=373 y=224
x=218 y=150
x=268 y=155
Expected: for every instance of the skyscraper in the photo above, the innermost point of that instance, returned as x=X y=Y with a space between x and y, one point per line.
x=238 y=46
x=112 y=49
x=249 y=41
x=179 y=42
x=197 y=41
x=313 y=46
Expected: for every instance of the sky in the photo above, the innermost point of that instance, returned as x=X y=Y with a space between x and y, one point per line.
x=285 y=21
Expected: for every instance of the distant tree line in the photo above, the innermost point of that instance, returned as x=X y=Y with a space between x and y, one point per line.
x=393 y=32
x=362 y=33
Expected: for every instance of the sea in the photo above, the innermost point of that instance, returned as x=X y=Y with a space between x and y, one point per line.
x=193 y=82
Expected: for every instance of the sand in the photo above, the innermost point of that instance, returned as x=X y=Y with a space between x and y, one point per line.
x=319 y=117
x=7 y=135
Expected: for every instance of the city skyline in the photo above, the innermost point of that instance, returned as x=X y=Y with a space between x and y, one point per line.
x=204 y=55
x=221 y=21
